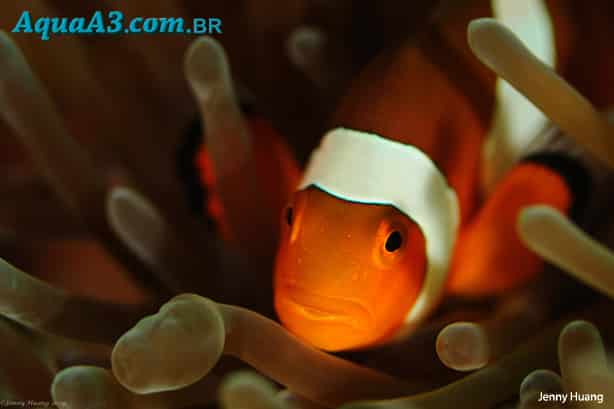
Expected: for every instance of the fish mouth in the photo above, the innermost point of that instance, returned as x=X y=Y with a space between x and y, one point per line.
x=327 y=310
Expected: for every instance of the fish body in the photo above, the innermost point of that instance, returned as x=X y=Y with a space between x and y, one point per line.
x=390 y=215
x=415 y=192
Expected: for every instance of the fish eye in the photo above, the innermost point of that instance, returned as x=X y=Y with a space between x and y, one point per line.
x=289 y=215
x=394 y=241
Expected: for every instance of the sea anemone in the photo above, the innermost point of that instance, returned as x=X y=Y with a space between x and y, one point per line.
x=197 y=310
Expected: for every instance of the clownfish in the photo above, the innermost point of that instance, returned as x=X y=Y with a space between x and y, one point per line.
x=388 y=217
x=390 y=214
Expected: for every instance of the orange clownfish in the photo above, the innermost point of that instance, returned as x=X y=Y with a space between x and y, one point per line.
x=388 y=217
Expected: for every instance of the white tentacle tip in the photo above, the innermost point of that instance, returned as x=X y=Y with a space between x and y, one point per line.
x=189 y=325
x=205 y=63
x=479 y=27
x=246 y=389
x=305 y=45
x=532 y=219
x=136 y=222
x=463 y=346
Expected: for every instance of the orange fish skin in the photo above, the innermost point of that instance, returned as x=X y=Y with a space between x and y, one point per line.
x=441 y=104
